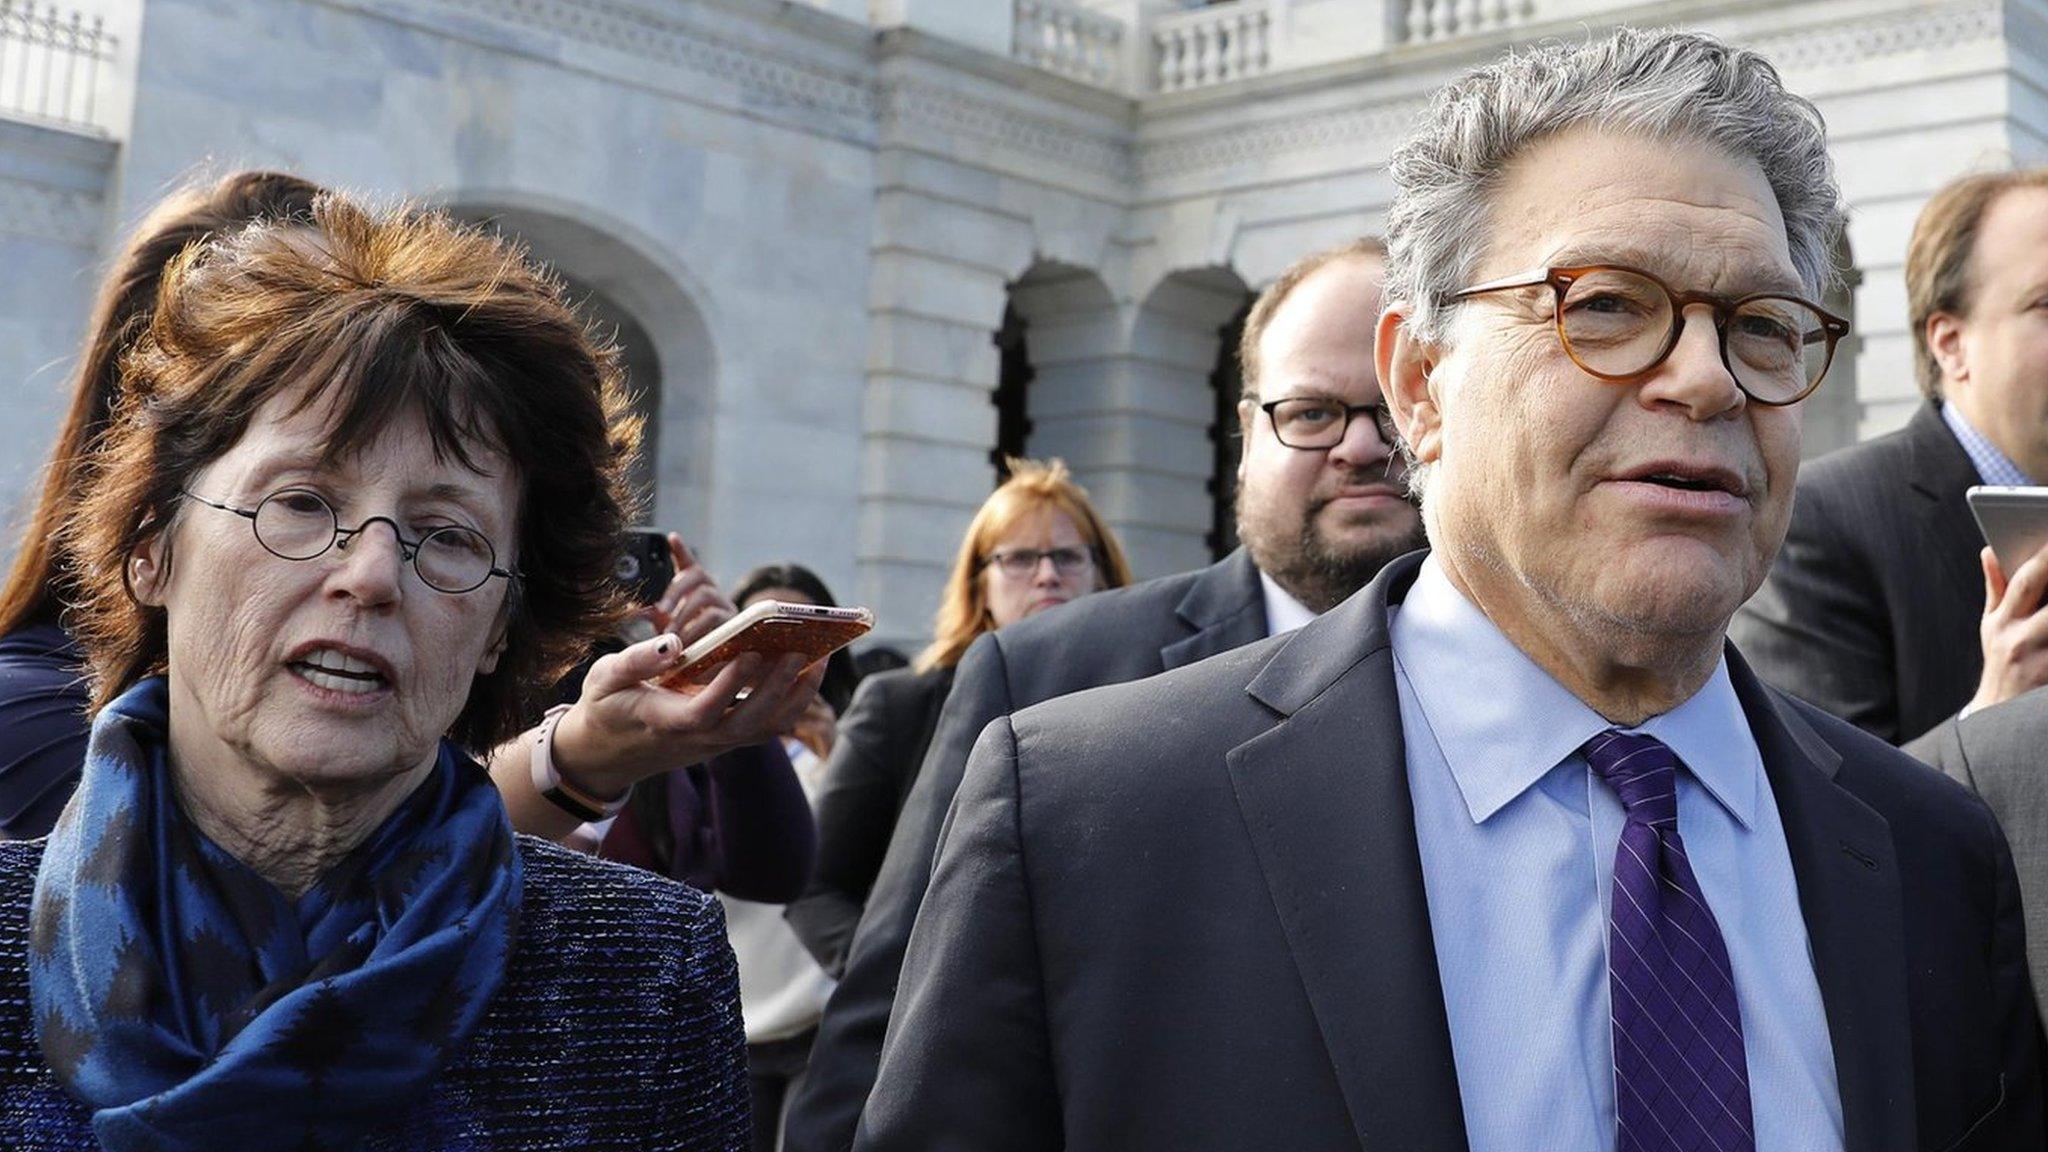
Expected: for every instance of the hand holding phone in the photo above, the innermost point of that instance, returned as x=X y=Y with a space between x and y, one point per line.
x=2014 y=629
x=626 y=726
x=773 y=629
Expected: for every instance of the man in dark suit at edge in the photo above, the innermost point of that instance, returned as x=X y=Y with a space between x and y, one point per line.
x=1318 y=517
x=1985 y=330
x=1884 y=607
x=1997 y=751
x=1510 y=850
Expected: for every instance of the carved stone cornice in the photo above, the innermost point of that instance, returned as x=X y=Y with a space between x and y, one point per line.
x=852 y=101
x=1917 y=30
x=771 y=82
x=1098 y=152
x=1373 y=129
x=40 y=212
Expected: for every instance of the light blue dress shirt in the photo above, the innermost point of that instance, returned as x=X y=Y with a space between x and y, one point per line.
x=1993 y=466
x=1283 y=612
x=1517 y=839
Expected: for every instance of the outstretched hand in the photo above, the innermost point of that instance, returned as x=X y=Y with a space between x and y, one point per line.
x=625 y=728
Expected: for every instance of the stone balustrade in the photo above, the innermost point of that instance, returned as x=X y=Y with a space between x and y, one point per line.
x=49 y=64
x=1427 y=21
x=1072 y=41
x=1211 y=45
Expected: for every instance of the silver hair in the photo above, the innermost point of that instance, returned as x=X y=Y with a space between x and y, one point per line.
x=1661 y=84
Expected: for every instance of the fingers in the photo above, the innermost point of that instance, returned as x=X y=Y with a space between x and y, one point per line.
x=629 y=667
x=804 y=698
x=692 y=604
x=775 y=700
x=702 y=610
x=713 y=704
x=2014 y=629
x=2023 y=592
x=2017 y=661
x=684 y=582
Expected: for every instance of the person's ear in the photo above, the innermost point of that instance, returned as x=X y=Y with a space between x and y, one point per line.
x=1945 y=342
x=501 y=635
x=1407 y=366
x=149 y=571
x=1247 y=420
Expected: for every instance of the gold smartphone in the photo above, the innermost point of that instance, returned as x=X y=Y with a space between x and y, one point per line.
x=772 y=628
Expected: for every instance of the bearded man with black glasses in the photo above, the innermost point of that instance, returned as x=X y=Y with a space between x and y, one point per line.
x=1322 y=506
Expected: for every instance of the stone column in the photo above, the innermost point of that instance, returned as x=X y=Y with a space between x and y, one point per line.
x=1131 y=414
x=941 y=262
x=53 y=192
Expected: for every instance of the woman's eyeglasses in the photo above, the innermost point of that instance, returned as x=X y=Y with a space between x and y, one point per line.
x=299 y=524
x=1021 y=563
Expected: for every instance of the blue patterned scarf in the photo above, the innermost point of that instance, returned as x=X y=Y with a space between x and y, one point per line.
x=192 y=1006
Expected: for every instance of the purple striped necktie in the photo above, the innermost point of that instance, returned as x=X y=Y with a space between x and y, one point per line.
x=1681 y=1082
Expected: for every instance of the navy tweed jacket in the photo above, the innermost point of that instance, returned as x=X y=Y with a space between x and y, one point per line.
x=617 y=1026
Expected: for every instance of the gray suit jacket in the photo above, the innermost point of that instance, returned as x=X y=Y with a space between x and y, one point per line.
x=1871 y=609
x=1189 y=913
x=1107 y=638
x=2002 y=753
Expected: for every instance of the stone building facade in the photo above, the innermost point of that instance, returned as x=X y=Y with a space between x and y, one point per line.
x=810 y=222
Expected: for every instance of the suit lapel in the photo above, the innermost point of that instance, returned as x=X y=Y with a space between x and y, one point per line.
x=1941 y=473
x=1225 y=607
x=1325 y=797
x=1849 y=896
x=1941 y=469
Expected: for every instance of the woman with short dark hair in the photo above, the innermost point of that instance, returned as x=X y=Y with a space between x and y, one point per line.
x=615 y=734
x=355 y=511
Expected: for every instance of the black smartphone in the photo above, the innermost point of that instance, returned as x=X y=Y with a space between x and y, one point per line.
x=645 y=566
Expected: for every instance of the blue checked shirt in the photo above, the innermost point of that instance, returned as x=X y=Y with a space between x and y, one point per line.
x=1993 y=466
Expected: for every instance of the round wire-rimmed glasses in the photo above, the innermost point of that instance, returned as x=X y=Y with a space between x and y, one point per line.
x=299 y=524
x=1619 y=323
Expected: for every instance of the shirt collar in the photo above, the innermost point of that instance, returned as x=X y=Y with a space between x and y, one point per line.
x=1502 y=722
x=1993 y=466
x=1283 y=612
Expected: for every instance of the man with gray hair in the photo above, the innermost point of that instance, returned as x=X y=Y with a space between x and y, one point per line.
x=1510 y=850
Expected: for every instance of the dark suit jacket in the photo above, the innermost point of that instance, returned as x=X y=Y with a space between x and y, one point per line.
x=1871 y=609
x=882 y=740
x=1107 y=638
x=2002 y=753
x=1189 y=914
